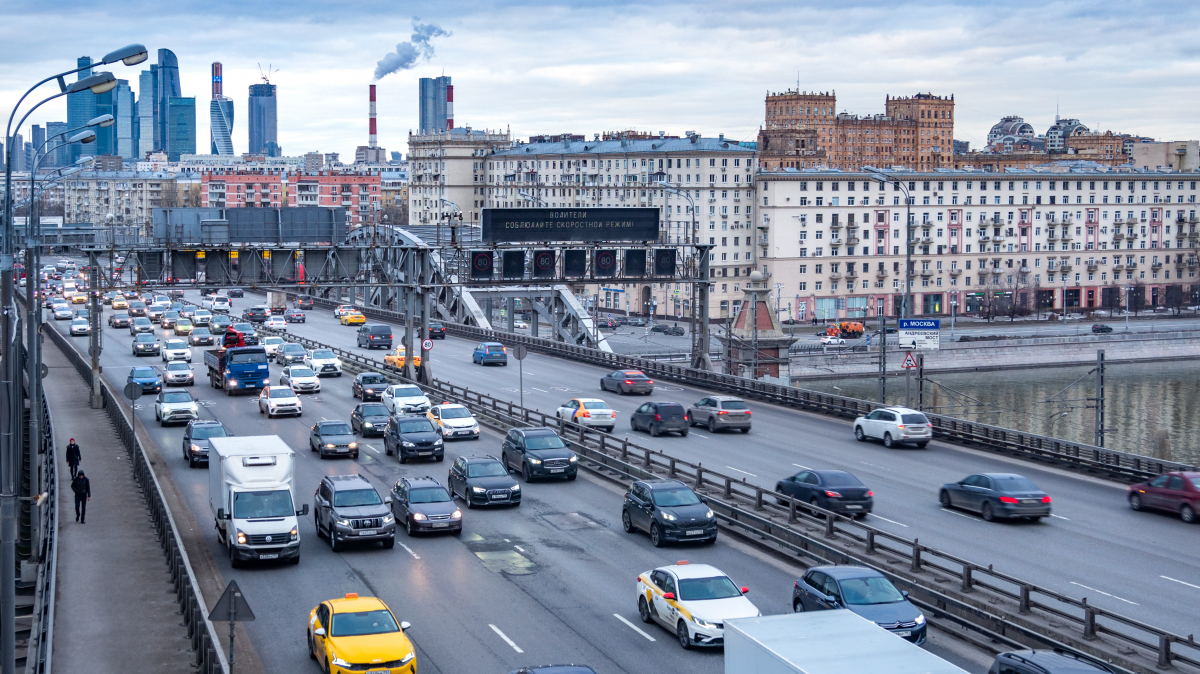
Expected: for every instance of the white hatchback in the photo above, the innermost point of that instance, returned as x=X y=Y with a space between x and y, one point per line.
x=176 y=349
x=894 y=425
x=405 y=399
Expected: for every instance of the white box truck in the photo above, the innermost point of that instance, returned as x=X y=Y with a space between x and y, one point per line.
x=276 y=302
x=823 y=642
x=251 y=491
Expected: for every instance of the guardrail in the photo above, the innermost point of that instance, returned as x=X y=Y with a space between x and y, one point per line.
x=40 y=651
x=1034 y=615
x=209 y=658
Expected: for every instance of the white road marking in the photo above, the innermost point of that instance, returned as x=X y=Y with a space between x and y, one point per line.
x=1104 y=593
x=538 y=389
x=508 y=641
x=633 y=627
x=324 y=419
x=371 y=448
x=887 y=520
x=519 y=548
x=415 y=555
x=1060 y=517
x=1180 y=582
x=873 y=465
x=507 y=541
x=955 y=512
x=799 y=466
x=741 y=471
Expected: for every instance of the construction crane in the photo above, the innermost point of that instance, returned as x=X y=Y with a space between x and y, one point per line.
x=266 y=77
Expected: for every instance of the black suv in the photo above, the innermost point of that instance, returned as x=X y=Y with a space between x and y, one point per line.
x=256 y=314
x=369 y=386
x=413 y=437
x=347 y=508
x=375 y=336
x=538 y=452
x=483 y=480
x=669 y=510
x=437 y=330
x=290 y=354
x=195 y=439
x=235 y=292
x=1056 y=661
x=425 y=505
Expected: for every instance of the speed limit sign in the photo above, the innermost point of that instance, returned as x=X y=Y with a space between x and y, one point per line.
x=427 y=345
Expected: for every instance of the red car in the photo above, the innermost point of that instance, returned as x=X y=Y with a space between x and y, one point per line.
x=1172 y=492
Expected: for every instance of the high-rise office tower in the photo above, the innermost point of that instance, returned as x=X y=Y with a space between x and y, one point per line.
x=436 y=104
x=263 y=129
x=125 y=128
x=81 y=108
x=106 y=136
x=38 y=135
x=147 y=100
x=167 y=88
x=180 y=127
x=220 y=116
x=56 y=152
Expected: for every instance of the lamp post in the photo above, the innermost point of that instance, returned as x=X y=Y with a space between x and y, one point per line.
x=882 y=177
x=953 y=306
x=698 y=320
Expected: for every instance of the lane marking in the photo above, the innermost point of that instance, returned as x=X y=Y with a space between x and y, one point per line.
x=1104 y=593
x=955 y=512
x=507 y=541
x=538 y=389
x=504 y=636
x=702 y=437
x=799 y=466
x=741 y=471
x=1060 y=517
x=371 y=448
x=521 y=549
x=887 y=520
x=1180 y=582
x=633 y=627
x=415 y=555
x=873 y=465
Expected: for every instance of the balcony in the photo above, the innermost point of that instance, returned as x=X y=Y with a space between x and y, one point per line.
x=1132 y=221
x=926 y=273
x=984 y=238
x=1025 y=270
x=1132 y=237
x=851 y=275
x=1052 y=236
x=1118 y=267
x=926 y=240
x=956 y=271
x=1194 y=235
x=881 y=274
x=1156 y=266
x=1118 y=235
x=835 y=225
x=997 y=239
x=1132 y=266
x=835 y=276
x=853 y=241
x=1066 y=236
x=996 y=271
x=1092 y=266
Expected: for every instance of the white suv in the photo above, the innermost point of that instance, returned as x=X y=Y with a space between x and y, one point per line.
x=176 y=349
x=323 y=362
x=279 y=400
x=894 y=425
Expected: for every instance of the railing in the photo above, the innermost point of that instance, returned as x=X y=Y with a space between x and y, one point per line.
x=1006 y=608
x=38 y=658
x=209 y=658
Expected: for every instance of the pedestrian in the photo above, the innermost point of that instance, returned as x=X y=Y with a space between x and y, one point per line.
x=73 y=457
x=83 y=493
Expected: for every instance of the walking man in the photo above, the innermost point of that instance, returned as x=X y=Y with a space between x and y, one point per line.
x=73 y=457
x=83 y=493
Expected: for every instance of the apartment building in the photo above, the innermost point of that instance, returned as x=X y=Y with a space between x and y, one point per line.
x=128 y=196
x=359 y=193
x=244 y=189
x=1069 y=235
x=446 y=173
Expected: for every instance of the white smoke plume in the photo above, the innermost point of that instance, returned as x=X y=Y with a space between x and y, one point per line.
x=408 y=53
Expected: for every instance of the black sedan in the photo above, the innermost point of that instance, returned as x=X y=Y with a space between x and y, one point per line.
x=483 y=480
x=195 y=439
x=413 y=437
x=862 y=591
x=538 y=452
x=369 y=386
x=834 y=490
x=119 y=320
x=258 y=314
x=201 y=336
x=423 y=504
x=235 y=292
x=332 y=438
x=369 y=419
x=995 y=495
x=669 y=510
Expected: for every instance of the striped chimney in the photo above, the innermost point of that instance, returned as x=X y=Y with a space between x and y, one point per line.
x=373 y=139
x=449 y=106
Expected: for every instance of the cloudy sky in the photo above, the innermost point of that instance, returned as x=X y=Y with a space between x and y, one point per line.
x=588 y=67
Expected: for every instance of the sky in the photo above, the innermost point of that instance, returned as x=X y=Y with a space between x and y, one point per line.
x=588 y=67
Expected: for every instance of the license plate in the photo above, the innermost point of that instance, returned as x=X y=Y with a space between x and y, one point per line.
x=424 y=453
x=368 y=532
x=903 y=633
x=499 y=497
x=557 y=470
x=463 y=433
x=274 y=555
x=694 y=532
x=853 y=507
x=440 y=525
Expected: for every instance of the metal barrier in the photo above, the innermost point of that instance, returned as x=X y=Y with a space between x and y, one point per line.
x=209 y=658
x=826 y=537
x=38 y=659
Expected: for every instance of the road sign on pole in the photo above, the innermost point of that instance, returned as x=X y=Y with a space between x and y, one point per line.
x=427 y=345
x=909 y=361
x=922 y=334
x=231 y=606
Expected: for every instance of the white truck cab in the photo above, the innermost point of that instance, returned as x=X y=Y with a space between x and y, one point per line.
x=251 y=491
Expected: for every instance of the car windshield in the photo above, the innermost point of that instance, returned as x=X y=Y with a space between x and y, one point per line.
x=1011 y=483
x=245 y=358
x=416 y=426
x=200 y=332
x=243 y=327
x=681 y=496
x=914 y=419
x=302 y=372
x=79 y=321
x=871 y=590
x=375 y=410
x=455 y=413
x=281 y=392
x=178 y=366
x=733 y=405
x=248 y=505
x=323 y=354
x=177 y=344
x=428 y=495
x=171 y=314
x=699 y=589
x=356 y=497
x=840 y=479
x=406 y=392
x=335 y=429
x=205 y=432
x=361 y=623
x=142 y=373
x=373 y=379
x=486 y=469
x=141 y=321
x=144 y=338
x=595 y=405
x=122 y=316
x=272 y=340
x=177 y=397
x=543 y=442
x=292 y=348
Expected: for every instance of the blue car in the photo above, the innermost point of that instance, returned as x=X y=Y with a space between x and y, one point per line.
x=147 y=378
x=490 y=353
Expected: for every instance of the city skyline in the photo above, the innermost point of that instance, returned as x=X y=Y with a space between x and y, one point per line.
x=1114 y=69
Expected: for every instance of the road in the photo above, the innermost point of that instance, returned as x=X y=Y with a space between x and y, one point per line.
x=553 y=578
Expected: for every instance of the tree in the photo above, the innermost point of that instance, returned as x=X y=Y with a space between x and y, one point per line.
x=1017 y=288
x=1174 y=299
x=1110 y=298
x=1135 y=297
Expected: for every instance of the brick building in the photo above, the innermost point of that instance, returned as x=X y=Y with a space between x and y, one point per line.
x=359 y=193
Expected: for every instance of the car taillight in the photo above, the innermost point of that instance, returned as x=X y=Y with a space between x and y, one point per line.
x=628 y=381
x=900 y=426
x=1008 y=499
x=748 y=412
x=722 y=412
x=870 y=493
x=1045 y=499
x=658 y=417
x=649 y=381
x=833 y=494
x=585 y=413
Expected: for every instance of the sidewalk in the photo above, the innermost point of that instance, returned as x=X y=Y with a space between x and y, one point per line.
x=115 y=606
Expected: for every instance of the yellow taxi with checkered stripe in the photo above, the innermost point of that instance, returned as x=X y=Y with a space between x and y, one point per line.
x=453 y=422
x=359 y=634
x=693 y=601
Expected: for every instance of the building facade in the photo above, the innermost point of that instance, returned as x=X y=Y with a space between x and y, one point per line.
x=146 y=106
x=436 y=105
x=1073 y=237
x=128 y=196
x=81 y=108
x=447 y=174
x=166 y=88
x=264 y=138
x=181 y=129
x=220 y=115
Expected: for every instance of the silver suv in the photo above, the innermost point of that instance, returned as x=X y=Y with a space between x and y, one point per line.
x=894 y=425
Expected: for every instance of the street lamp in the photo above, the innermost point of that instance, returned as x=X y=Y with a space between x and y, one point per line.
x=953 y=306
x=882 y=177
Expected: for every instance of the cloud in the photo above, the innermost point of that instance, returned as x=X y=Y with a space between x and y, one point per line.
x=407 y=53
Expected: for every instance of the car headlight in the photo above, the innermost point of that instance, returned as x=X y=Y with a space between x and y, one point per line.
x=700 y=622
x=407 y=659
x=437 y=443
x=343 y=523
x=367 y=424
x=233 y=382
x=418 y=517
x=388 y=519
x=329 y=445
x=478 y=490
x=574 y=458
x=196 y=449
x=669 y=517
x=457 y=514
x=408 y=444
x=536 y=462
x=516 y=487
x=339 y=662
x=354 y=445
x=709 y=514
x=920 y=619
x=294 y=533
x=241 y=537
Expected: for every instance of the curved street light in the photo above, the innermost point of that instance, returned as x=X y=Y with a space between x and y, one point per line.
x=878 y=174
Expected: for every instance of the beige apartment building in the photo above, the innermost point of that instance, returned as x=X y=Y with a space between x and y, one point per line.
x=446 y=174
x=1070 y=235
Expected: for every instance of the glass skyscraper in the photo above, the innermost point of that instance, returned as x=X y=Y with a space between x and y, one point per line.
x=262 y=120
x=166 y=89
x=147 y=101
x=81 y=108
x=55 y=150
x=125 y=129
x=434 y=111
x=180 y=127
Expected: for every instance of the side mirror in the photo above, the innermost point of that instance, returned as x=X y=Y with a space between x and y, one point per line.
x=303 y=510
x=220 y=513
x=904 y=593
x=320 y=632
x=669 y=595
x=404 y=625
x=387 y=500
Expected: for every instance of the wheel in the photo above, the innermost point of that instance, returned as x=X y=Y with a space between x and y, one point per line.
x=1135 y=502
x=571 y=477
x=389 y=544
x=610 y=429
x=621 y=389
x=683 y=433
x=402 y=458
x=626 y=523
x=797 y=606
x=1035 y=518
x=233 y=560
x=314 y=447
x=745 y=430
x=858 y=434
x=921 y=445
x=986 y=513
x=311 y=651
x=644 y=610
x=1187 y=514
x=813 y=505
x=408 y=526
x=317 y=524
x=632 y=424
x=294 y=560
x=887 y=441
x=654 y=431
x=387 y=449
x=712 y=425
x=526 y=474
x=944 y=497
x=355 y=455
x=333 y=541
x=681 y=632
x=656 y=538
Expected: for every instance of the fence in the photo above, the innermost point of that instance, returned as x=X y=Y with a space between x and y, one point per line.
x=38 y=658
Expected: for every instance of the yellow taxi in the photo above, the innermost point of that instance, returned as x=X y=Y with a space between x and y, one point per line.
x=353 y=318
x=79 y=298
x=398 y=355
x=453 y=421
x=359 y=634
x=120 y=302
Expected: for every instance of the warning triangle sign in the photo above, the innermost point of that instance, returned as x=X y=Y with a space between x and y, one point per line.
x=232 y=605
x=909 y=361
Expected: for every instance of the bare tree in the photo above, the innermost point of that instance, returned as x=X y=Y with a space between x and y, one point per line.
x=1110 y=298
x=1174 y=299
x=1135 y=297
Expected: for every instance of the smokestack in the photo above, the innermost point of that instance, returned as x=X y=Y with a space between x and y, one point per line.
x=216 y=80
x=373 y=139
x=449 y=106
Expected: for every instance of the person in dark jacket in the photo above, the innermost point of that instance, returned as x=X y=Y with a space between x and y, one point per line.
x=83 y=493
x=73 y=457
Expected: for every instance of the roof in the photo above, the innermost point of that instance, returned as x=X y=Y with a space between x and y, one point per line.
x=841 y=572
x=693 y=570
x=343 y=480
x=662 y=483
x=355 y=604
x=426 y=480
x=483 y=457
x=540 y=430
x=1059 y=662
x=598 y=147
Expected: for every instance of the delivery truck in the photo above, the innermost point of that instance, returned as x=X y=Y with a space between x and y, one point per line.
x=276 y=302
x=251 y=492
x=241 y=368
x=823 y=642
